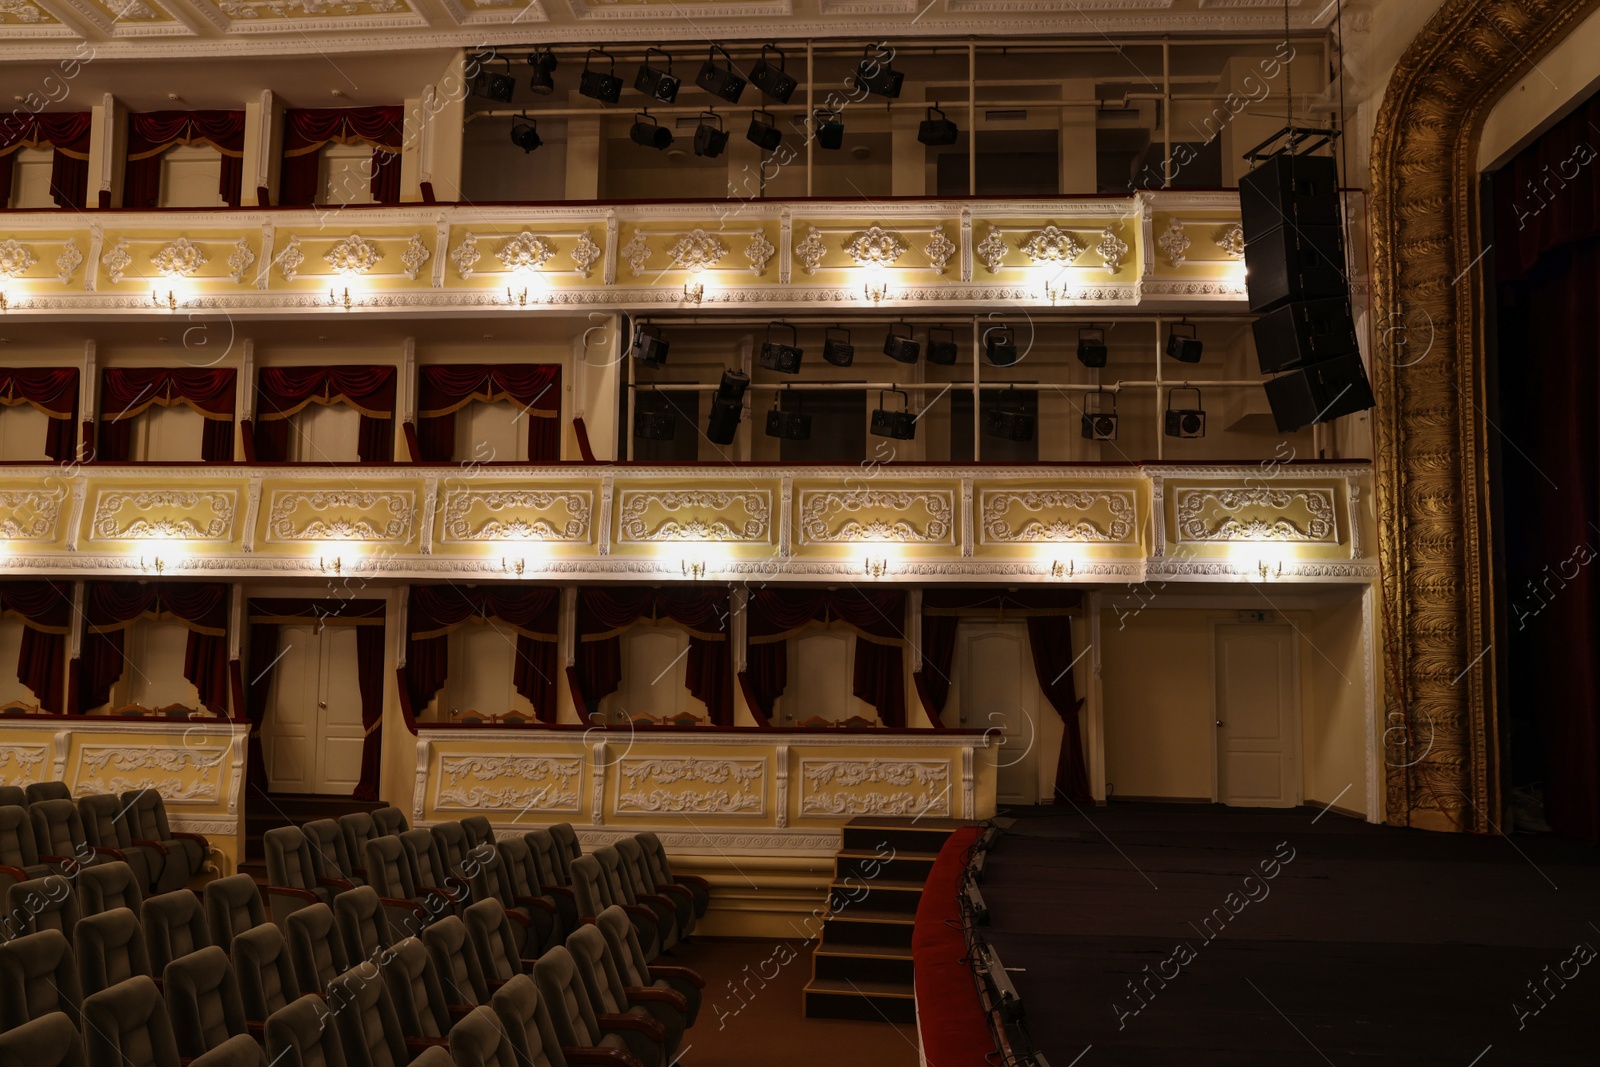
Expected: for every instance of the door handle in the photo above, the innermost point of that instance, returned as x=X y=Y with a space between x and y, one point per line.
x=1219 y=721
x=324 y=704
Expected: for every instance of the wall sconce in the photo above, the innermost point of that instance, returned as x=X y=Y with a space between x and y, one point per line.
x=520 y=299
x=876 y=566
x=876 y=289
x=694 y=569
x=1058 y=569
x=1054 y=289
x=330 y=564
x=337 y=301
x=694 y=292
x=5 y=305
x=516 y=566
x=152 y=563
x=1268 y=570
x=171 y=302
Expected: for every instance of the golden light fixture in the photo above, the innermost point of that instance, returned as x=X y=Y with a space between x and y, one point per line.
x=338 y=300
x=876 y=566
x=330 y=563
x=1268 y=570
x=694 y=292
x=1054 y=289
x=171 y=302
x=152 y=563
x=693 y=569
x=520 y=299
x=516 y=565
x=1058 y=569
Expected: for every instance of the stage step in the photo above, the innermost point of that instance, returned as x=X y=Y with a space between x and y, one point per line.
x=897 y=895
x=845 y=998
x=868 y=865
x=872 y=834
x=864 y=963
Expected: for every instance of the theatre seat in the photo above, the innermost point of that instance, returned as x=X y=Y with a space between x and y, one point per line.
x=673 y=912
x=315 y=947
x=478 y=831
x=567 y=847
x=554 y=876
x=203 y=1002
x=262 y=965
x=414 y=988
x=429 y=873
x=597 y=890
x=127 y=1026
x=19 y=856
x=48 y=1041
x=369 y=1028
x=610 y=998
x=498 y=948
x=233 y=905
x=174 y=926
x=303 y=1034
x=104 y=829
x=408 y=907
x=363 y=925
x=13 y=796
x=451 y=839
x=329 y=856
x=357 y=828
x=38 y=975
x=41 y=904
x=58 y=834
x=637 y=973
x=656 y=854
x=184 y=855
x=456 y=961
x=389 y=821
x=106 y=886
x=37 y=791
x=110 y=948
x=479 y=1041
x=572 y=1015
x=292 y=878
x=521 y=888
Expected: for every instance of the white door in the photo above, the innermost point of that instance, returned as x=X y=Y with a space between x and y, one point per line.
x=1258 y=717
x=312 y=736
x=995 y=670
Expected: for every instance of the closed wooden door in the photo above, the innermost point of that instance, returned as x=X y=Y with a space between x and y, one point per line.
x=312 y=736
x=998 y=692
x=1258 y=729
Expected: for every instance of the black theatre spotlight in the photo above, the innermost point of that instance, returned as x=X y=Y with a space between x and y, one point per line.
x=723 y=82
x=544 y=65
x=830 y=130
x=709 y=137
x=648 y=132
x=1010 y=419
x=778 y=356
x=1092 y=349
x=604 y=85
x=1000 y=345
x=525 y=133
x=789 y=425
x=900 y=346
x=1185 y=422
x=650 y=345
x=877 y=76
x=727 y=407
x=730 y=390
x=774 y=81
x=1099 y=418
x=764 y=132
x=498 y=86
x=936 y=131
x=656 y=83
x=942 y=345
x=900 y=425
x=659 y=425
x=1183 y=343
x=836 y=346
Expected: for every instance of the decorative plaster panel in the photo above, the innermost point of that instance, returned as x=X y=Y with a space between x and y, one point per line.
x=691 y=786
x=30 y=514
x=164 y=514
x=341 y=515
x=910 y=516
x=518 y=515
x=181 y=775
x=647 y=516
x=1027 y=516
x=493 y=782
x=1290 y=514
x=22 y=764
x=874 y=787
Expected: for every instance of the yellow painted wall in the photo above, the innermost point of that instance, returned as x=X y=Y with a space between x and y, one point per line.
x=1333 y=730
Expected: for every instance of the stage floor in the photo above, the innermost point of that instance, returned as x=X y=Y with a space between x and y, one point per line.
x=1277 y=938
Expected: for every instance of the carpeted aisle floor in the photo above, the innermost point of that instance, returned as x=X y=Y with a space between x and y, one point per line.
x=1256 y=938
x=753 y=1017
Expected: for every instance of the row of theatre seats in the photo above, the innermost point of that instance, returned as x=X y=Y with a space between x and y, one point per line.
x=491 y=958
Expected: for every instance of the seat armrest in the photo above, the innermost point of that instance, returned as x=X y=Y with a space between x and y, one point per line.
x=542 y=903
x=16 y=874
x=454 y=896
x=157 y=845
x=675 y=887
x=68 y=865
x=106 y=850
x=290 y=891
x=517 y=917
x=686 y=974
x=692 y=880
x=639 y=1023
x=599 y=1057
x=359 y=872
x=335 y=883
x=185 y=835
x=660 y=996
x=561 y=891
x=658 y=898
x=586 y=920
x=494 y=983
x=417 y=1044
x=256 y=1028
x=458 y=1012
x=641 y=911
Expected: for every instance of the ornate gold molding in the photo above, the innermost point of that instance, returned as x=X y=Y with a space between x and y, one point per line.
x=1442 y=732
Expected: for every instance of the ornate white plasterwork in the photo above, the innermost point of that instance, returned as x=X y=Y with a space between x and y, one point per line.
x=414 y=256
x=23 y=763
x=178 y=259
x=875 y=247
x=996 y=506
x=1198 y=518
x=15 y=258
x=819 y=507
x=290 y=259
x=30 y=514
x=1174 y=242
x=21 y=10
x=525 y=252
x=466 y=255
x=68 y=262
x=697 y=250
x=240 y=260
x=117 y=260
x=341 y=515
x=459 y=504
x=1231 y=241
x=653 y=785
x=636 y=253
x=858 y=787
x=353 y=256
x=1112 y=249
x=811 y=250
x=164 y=514
x=992 y=249
x=585 y=254
x=713 y=515
x=1051 y=245
x=939 y=249
x=759 y=252
x=532 y=783
x=117 y=762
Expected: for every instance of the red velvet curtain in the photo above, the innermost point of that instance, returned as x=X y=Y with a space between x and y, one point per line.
x=306 y=130
x=876 y=615
x=369 y=677
x=941 y=612
x=45 y=609
x=702 y=611
x=263 y=649
x=938 y=661
x=54 y=391
x=111 y=607
x=128 y=392
x=534 y=387
x=67 y=134
x=1051 y=641
x=533 y=611
x=152 y=133
x=284 y=391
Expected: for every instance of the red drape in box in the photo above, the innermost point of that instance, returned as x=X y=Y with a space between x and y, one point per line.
x=285 y=391
x=369 y=678
x=701 y=612
x=1051 y=642
x=306 y=130
x=878 y=618
x=127 y=392
x=445 y=390
x=67 y=135
x=45 y=609
x=152 y=133
x=111 y=607
x=54 y=391
x=532 y=611
x=942 y=609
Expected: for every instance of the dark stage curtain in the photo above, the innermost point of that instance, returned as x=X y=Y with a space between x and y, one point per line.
x=152 y=133
x=284 y=391
x=876 y=615
x=67 y=135
x=128 y=392
x=531 y=611
x=369 y=677
x=111 y=607
x=938 y=660
x=45 y=609
x=263 y=660
x=54 y=391
x=603 y=614
x=306 y=130
x=1051 y=642
x=445 y=390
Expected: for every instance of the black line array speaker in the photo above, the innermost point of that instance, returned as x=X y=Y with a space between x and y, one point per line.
x=1321 y=392
x=1294 y=263
x=1297 y=335
x=1298 y=191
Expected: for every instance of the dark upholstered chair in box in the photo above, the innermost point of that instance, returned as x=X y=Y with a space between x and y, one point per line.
x=369 y=1027
x=266 y=975
x=106 y=886
x=596 y=889
x=38 y=975
x=293 y=880
x=58 y=834
x=37 y=791
x=567 y=846
x=530 y=1025
x=109 y=834
x=451 y=838
x=41 y=904
x=611 y=997
x=233 y=905
x=429 y=872
x=408 y=906
x=174 y=926
x=357 y=829
x=647 y=878
x=577 y=1025
x=203 y=1000
x=315 y=947
x=184 y=855
x=19 y=856
x=389 y=821
x=634 y=875
x=330 y=857
x=456 y=962
x=48 y=1041
x=110 y=949
x=661 y=870
x=13 y=796
x=554 y=875
x=637 y=973
x=499 y=948
x=303 y=1034
x=362 y=922
x=480 y=1041
x=414 y=988
x=521 y=889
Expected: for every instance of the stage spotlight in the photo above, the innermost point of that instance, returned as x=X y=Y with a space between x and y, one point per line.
x=656 y=83
x=764 y=132
x=1000 y=345
x=878 y=77
x=494 y=85
x=723 y=423
x=655 y=425
x=544 y=65
x=730 y=390
x=650 y=345
x=605 y=87
x=1092 y=351
x=720 y=81
x=830 y=131
x=1185 y=422
x=1009 y=419
x=942 y=346
x=1004 y=991
x=1183 y=343
x=1099 y=420
x=788 y=425
x=778 y=356
x=836 y=346
x=773 y=81
x=525 y=133
x=649 y=133
x=934 y=132
x=900 y=425
x=899 y=344
x=709 y=139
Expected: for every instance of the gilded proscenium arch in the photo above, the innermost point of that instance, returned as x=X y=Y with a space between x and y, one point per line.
x=1432 y=435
